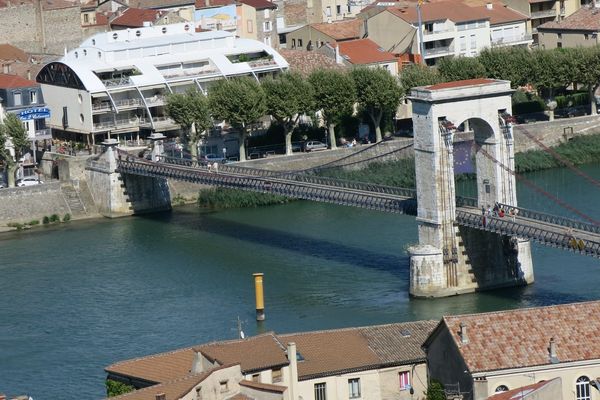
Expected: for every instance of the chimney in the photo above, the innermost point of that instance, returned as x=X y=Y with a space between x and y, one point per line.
x=464 y=339
x=489 y=6
x=293 y=360
x=197 y=363
x=552 y=352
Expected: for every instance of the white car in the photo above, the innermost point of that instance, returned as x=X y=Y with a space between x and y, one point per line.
x=28 y=181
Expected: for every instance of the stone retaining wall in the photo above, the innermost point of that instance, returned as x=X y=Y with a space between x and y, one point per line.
x=555 y=132
x=29 y=203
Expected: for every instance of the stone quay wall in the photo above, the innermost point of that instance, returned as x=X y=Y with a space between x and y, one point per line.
x=29 y=203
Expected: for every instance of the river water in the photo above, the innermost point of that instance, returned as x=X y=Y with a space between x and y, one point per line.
x=82 y=295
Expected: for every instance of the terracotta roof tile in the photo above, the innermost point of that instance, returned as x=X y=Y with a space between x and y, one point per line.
x=157 y=368
x=263 y=386
x=213 y=3
x=14 y=81
x=456 y=84
x=520 y=338
x=522 y=393
x=253 y=354
x=584 y=19
x=341 y=30
x=501 y=14
x=135 y=17
x=305 y=62
x=173 y=390
x=440 y=11
x=10 y=52
x=364 y=51
x=259 y=4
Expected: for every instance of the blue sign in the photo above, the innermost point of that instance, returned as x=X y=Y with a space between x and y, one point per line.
x=34 y=113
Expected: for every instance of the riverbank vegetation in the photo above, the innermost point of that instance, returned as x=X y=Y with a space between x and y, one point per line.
x=52 y=219
x=222 y=198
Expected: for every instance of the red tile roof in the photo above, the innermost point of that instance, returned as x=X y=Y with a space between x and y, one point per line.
x=463 y=83
x=341 y=30
x=440 y=11
x=259 y=4
x=364 y=51
x=584 y=19
x=501 y=14
x=213 y=3
x=263 y=386
x=14 y=81
x=523 y=392
x=520 y=338
x=135 y=17
x=10 y=52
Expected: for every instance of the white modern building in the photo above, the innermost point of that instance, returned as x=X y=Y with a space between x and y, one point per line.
x=116 y=82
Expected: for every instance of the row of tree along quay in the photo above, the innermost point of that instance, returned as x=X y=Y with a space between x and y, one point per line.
x=401 y=173
x=286 y=97
x=546 y=73
x=12 y=136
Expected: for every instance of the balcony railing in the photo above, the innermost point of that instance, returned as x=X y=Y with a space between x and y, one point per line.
x=102 y=106
x=115 y=82
x=120 y=123
x=543 y=14
x=264 y=62
x=124 y=103
x=189 y=72
x=505 y=41
x=156 y=100
x=448 y=30
x=438 y=51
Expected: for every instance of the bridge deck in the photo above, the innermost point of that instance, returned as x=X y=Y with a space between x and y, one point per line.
x=549 y=230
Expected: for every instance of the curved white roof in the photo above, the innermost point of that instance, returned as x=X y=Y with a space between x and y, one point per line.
x=145 y=49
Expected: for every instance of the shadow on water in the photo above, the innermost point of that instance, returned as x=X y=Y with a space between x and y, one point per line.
x=304 y=245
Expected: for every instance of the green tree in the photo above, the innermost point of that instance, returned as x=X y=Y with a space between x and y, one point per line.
x=460 y=68
x=587 y=71
x=191 y=111
x=435 y=391
x=419 y=75
x=12 y=134
x=335 y=96
x=115 y=388
x=288 y=97
x=377 y=93
x=508 y=63
x=239 y=101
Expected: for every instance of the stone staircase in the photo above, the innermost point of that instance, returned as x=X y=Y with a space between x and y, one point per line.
x=73 y=200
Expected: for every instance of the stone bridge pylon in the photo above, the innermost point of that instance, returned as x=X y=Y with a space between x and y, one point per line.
x=450 y=259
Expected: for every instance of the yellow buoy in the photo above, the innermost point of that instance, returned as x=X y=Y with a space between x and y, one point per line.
x=260 y=298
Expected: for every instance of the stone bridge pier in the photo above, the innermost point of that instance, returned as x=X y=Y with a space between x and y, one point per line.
x=117 y=194
x=449 y=259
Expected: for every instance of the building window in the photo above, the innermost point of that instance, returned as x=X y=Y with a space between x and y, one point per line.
x=224 y=386
x=328 y=11
x=86 y=18
x=267 y=40
x=559 y=35
x=404 y=380
x=267 y=13
x=33 y=97
x=17 y=98
x=321 y=391
x=428 y=28
x=559 y=44
x=501 y=388
x=349 y=9
x=473 y=42
x=582 y=388
x=293 y=43
x=249 y=26
x=300 y=43
x=338 y=10
x=354 y=388
x=267 y=26
x=586 y=36
x=256 y=378
x=276 y=375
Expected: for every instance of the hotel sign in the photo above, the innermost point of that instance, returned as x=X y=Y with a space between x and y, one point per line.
x=34 y=113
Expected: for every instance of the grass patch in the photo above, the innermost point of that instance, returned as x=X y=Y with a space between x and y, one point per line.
x=579 y=150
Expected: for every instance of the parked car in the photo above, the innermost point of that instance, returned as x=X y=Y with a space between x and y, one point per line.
x=29 y=181
x=314 y=145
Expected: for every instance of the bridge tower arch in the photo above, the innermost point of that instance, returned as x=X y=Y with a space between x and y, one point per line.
x=450 y=259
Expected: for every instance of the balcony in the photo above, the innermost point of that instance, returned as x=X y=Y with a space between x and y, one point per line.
x=119 y=123
x=101 y=106
x=116 y=82
x=429 y=36
x=263 y=62
x=543 y=14
x=512 y=40
x=182 y=73
x=439 y=51
x=156 y=100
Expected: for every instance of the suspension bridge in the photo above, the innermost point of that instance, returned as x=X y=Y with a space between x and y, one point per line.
x=461 y=248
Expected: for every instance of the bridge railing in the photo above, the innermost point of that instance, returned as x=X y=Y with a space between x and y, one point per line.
x=554 y=219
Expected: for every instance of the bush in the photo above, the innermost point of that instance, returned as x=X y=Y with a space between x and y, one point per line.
x=435 y=391
x=572 y=100
x=15 y=225
x=526 y=103
x=45 y=220
x=54 y=218
x=67 y=217
x=34 y=222
x=114 y=388
x=221 y=198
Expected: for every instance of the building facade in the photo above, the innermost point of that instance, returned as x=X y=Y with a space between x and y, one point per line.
x=577 y=30
x=480 y=355
x=116 y=82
